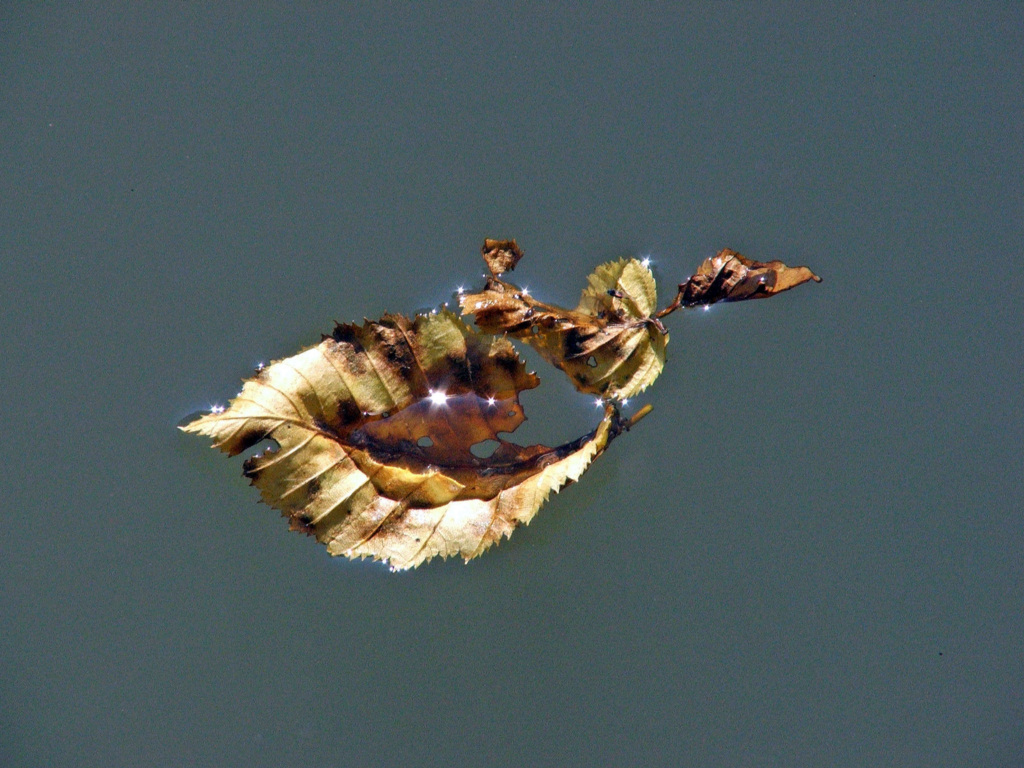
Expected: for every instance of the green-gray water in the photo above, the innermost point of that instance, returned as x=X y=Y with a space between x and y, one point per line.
x=811 y=553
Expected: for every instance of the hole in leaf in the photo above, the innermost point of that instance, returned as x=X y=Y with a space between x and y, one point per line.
x=424 y=442
x=592 y=361
x=535 y=330
x=260 y=448
x=484 y=448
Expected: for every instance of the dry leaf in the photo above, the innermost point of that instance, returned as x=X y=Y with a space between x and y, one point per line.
x=501 y=255
x=377 y=430
x=611 y=345
x=728 y=276
x=374 y=428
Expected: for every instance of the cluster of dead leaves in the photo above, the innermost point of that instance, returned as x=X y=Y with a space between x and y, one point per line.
x=376 y=429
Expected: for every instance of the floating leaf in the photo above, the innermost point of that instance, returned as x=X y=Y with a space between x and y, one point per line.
x=728 y=276
x=611 y=345
x=374 y=429
x=501 y=255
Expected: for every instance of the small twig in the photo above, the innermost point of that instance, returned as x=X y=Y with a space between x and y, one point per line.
x=677 y=303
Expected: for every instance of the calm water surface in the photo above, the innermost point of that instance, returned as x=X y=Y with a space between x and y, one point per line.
x=809 y=554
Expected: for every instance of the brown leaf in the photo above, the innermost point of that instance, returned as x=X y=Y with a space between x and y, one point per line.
x=501 y=255
x=611 y=345
x=728 y=276
x=374 y=428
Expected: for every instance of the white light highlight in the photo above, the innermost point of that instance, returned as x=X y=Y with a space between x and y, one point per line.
x=598 y=402
x=460 y=290
x=217 y=409
x=526 y=291
x=438 y=397
x=645 y=261
x=491 y=401
x=625 y=402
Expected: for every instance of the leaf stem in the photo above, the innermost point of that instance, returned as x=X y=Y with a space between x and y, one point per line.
x=639 y=415
x=677 y=302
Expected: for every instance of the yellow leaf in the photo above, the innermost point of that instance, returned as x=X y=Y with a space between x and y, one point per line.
x=373 y=431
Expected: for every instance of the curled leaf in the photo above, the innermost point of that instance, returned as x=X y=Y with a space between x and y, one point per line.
x=374 y=429
x=728 y=276
x=501 y=255
x=611 y=345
